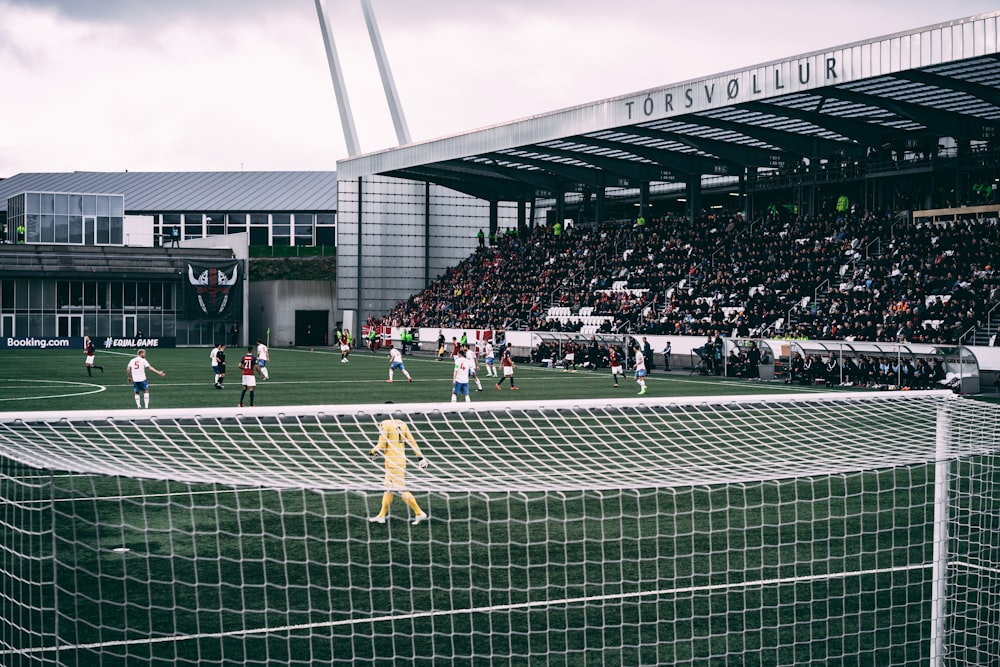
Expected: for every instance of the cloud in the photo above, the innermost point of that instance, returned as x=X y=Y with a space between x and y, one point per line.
x=225 y=84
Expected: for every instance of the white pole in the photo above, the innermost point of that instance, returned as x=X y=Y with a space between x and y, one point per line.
x=336 y=74
x=388 y=84
x=939 y=571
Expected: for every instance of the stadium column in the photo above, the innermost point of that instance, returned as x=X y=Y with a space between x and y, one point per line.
x=599 y=206
x=560 y=203
x=522 y=222
x=644 y=198
x=694 y=196
x=494 y=217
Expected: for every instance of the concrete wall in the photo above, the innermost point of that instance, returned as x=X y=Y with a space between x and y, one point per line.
x=273 y=304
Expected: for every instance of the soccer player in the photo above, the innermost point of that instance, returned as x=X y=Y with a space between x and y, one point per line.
x=440 y=342
x=491 y=369
x=250 y=370
x=616 y=365
x=91 y=352
x=470 y=354
x=569 y=360
x=393 y=436
x=460 y=379
x=262 y=358
x=396 y=364
x=508 y=366
x=640 y=368
x=213 y=358
x=345 y=346
x=220 y=361
x=135 y=371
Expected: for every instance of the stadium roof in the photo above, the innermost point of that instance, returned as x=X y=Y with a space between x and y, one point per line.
x=152 y=192
x=908 y=88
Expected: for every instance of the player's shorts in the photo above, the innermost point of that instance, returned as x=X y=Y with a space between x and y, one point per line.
x=345 y=347
x=222 y=369
x=570 y=356
x=395 y=479
x=215 y=369
x=460 y=389
x=489 y=360
x=640 y=373
x=262 y=362
x=396 y=366
x=249 y=381
x=141 y=386
x=616 y=370
x=508 y=371
x=90 y=359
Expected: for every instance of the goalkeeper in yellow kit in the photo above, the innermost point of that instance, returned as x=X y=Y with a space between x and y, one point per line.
x=393 y=437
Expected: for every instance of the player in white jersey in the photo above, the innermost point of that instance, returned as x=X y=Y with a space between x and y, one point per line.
x=396 y=363
x=263 y=356
x=135 y=371
x=491 y=369
x=460 y=379
x=470 y=354
x=640 y=368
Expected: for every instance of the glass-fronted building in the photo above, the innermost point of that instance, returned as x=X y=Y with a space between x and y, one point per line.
x=70 y=218
x=278 y=209
x=93 y=253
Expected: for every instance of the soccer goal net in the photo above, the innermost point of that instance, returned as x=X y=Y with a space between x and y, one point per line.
x=825 y=528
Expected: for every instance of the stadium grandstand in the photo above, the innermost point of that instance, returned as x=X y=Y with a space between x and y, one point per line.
x=847 y=193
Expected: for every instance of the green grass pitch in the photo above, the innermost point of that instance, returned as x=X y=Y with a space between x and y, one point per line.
x=52 y=379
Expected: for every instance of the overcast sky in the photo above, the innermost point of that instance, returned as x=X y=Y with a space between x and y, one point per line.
x=215 y=85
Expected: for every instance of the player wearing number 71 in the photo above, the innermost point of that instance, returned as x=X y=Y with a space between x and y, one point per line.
x=394 y=436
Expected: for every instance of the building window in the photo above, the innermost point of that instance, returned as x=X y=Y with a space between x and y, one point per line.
x=237 y=223
x=281 y=229
x=303 y=229
x=259 y=229
x=326 y=229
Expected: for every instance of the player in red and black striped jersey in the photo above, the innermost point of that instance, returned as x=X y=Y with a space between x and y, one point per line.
x=508 y=366
x=249 y=369
x=616 y=365
x=90 y=351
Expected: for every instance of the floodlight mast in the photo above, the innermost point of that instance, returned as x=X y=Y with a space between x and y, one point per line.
x=388 y=84
x=336 y=73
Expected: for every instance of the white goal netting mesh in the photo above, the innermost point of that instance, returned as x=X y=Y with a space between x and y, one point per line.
x=825 y=528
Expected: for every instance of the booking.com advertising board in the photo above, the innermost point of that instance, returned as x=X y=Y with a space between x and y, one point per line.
x=76 y=343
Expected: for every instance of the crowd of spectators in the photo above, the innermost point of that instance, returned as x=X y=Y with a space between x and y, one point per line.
x=859 y=275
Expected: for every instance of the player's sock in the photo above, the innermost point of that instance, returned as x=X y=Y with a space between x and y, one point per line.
x=454 y=398
x=138 y=401
x=89 y=374
x=100 y=368
x=251 y=398
x=479 y=385
x=242 y=396
x=145 y=399
x=263 y=369
x=412 y=503
x=408 y=376
x=390 y=376
x=386 y=501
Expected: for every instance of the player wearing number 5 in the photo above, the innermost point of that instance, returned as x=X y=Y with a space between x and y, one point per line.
x=135 y=371
x=394 y=436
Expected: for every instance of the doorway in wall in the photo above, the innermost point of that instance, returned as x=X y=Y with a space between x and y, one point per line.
x=310 y=328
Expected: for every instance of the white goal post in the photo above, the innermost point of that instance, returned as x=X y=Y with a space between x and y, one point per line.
x=823 y=527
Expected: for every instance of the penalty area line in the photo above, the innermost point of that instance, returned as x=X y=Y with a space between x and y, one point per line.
x=392 y=618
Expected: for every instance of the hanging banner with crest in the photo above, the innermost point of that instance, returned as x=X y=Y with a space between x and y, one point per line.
x=213 y=291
